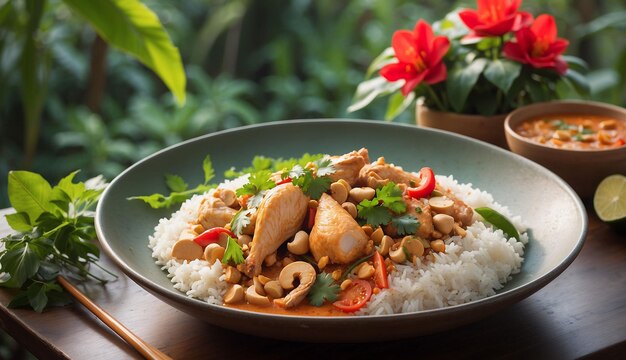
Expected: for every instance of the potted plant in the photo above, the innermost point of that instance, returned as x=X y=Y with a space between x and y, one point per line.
x=473 y=67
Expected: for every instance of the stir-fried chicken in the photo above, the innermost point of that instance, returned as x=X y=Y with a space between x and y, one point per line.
x=336 y=234
x=379 y=173
x=421 y=211
x=349 y=165
x=215 y=213
x=279 y=217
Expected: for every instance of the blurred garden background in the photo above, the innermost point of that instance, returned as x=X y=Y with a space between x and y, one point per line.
x=246 y=62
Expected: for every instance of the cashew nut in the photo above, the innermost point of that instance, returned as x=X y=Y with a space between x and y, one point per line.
x=441 y=204
x=443 y=223
x=300 y=243
x=305 y=273
x=258 y=286
x=412 y=245
x=396 y=253
x=377 y=235
x=350 y=208
x=338 y=192
x=228 y=196
x=213 y=252
x=365 y=271
x=362 y=193
x=253 y=298
x=385 y=245
x=234 y=294
x=273 y=289
x=186 y=250
x=232 y=275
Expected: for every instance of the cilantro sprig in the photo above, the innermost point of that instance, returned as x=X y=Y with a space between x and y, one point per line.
x=386 y=208
x=315 y=180
x=233 y=254
x=258 y=184
x=324 y=289
x=55 y=228
x=179 y=190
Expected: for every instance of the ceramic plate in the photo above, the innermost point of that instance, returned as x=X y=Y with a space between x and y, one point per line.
x=553 y=212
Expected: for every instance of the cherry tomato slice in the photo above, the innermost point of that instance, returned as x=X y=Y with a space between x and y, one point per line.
x=211 y=236
x=380 y=275
x=426 y=185
x=355 y=297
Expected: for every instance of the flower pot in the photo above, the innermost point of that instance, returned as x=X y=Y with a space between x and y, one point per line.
x=486 y=128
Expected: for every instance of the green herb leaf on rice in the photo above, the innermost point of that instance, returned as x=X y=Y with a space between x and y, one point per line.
x=498 y=220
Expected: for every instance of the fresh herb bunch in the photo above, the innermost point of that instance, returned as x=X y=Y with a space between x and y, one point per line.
x=55 y=231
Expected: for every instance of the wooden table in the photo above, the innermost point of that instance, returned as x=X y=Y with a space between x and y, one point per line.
x=581 y=313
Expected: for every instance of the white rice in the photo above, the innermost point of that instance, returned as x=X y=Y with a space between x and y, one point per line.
x=473 y=267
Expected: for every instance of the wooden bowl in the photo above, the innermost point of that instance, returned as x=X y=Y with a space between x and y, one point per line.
x=581 y=169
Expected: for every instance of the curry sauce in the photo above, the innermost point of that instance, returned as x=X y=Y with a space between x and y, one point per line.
x=575 y=131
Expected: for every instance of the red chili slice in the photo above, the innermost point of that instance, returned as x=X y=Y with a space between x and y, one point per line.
x=426 y=185
x=211 y=236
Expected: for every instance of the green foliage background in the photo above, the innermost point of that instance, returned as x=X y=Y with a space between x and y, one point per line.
x=247 y=62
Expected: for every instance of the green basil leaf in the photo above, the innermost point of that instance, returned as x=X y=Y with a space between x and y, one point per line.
x=131 y=26
x=72 y=190
x=29 y=193
x=502 y=73
x=461 y=80
x=19 y=221
x=21 y=262
x=37 y=297
x=498 y=220
x=20 y=300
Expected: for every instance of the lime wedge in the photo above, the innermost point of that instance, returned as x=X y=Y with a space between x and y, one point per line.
x=610 y=199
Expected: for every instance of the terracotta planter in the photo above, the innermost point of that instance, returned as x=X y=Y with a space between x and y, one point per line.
x=486 y=128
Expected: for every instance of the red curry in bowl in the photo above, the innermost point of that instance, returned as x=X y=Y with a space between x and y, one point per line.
x=574 y=131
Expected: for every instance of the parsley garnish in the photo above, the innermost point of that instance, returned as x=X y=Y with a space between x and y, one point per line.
x=324 y=289
x=179 y=190
x=380 y=210
x=406 y=224
x=233 y=255
x=56 y=229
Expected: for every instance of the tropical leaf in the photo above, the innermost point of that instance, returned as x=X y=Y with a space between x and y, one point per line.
x=132 y=27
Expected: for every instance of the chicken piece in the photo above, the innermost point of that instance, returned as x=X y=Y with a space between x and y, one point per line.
x=421 y=211
x=279 y=217
x=214 y=213
x=379 y=173
x=336 y=234
x=349 y=165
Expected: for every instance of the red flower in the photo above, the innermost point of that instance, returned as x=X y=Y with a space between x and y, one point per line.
x=419 y=55
x=538 y=45
x=494 y=18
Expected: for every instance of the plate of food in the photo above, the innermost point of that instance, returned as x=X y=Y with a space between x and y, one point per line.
x=339 y=230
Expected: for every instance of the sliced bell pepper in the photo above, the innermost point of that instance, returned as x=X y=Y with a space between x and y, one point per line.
x=426 y=185
x=380 y=275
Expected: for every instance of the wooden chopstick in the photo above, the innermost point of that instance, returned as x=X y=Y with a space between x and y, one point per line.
x=147 y=350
